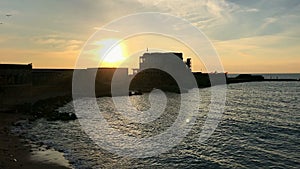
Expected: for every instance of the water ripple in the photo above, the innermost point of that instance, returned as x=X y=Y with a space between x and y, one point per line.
x=260 y=129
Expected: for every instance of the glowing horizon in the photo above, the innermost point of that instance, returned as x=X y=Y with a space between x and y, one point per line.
x=248 y=36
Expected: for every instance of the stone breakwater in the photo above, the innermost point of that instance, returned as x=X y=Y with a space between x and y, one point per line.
x=41 y=91
x=48 y=109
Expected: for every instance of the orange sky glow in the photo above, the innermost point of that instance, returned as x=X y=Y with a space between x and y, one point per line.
x=248 y=37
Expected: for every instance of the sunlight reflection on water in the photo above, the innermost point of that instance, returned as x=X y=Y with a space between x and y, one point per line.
x=260 y=128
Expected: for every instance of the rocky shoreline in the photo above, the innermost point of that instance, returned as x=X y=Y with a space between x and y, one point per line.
x=48 y=109
x=16 y=152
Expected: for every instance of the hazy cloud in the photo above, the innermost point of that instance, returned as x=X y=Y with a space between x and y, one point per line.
x=238 y=27
x=251 y=10
x=58 y=43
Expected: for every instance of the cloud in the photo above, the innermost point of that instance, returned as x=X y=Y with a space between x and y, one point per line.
x=4 y=39
x=41 y=59
x=105 y=29
x=58 y=43
x=193 y=8
x=252 y=10
x=9 y=11
x=252 y=54
x=204 y=14
x=255 y=30
x=50 y=41
x=267 y=22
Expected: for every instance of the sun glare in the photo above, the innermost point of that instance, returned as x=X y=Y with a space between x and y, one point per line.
x=111 y=52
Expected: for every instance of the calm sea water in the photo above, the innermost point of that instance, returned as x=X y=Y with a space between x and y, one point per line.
x=260 y=128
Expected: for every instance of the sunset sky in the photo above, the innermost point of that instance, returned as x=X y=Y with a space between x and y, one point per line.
x=254 y=36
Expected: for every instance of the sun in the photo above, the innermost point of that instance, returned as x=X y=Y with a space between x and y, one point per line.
x=116 y=54
x=111 y=52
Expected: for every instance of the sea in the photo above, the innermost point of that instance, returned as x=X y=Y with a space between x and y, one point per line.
x=259 y=128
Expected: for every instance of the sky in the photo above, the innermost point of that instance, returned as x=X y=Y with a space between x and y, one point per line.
x=257 y=36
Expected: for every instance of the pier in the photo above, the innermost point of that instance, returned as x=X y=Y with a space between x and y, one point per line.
x=21 y=86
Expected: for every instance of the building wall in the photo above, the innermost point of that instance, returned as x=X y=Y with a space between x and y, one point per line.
x=15 y=86
x=21 y=85
x=49 y=83
x=149 y=79
x=164 y=71
x=105 y=77
x=148 y=60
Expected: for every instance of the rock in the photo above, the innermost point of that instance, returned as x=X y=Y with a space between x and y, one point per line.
x=41 y=143
x=48 y=109
x=19 y=123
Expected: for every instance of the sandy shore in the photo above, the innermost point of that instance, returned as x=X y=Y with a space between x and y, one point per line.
x=14 y=153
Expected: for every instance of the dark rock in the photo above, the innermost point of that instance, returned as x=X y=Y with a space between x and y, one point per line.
x=47 y=109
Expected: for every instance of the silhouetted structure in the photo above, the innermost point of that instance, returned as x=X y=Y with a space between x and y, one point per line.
x=104 y=79
x=210 y=79
x=21 y=86
x=149 y=79
x=15 y=86
x=15 y=74
x=162 y=71
x=189 y=63
x=246 y=78
x=51 y=82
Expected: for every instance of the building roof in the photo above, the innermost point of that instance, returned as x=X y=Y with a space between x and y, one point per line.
x=179 y=54
x=52 y=70
x=16 y=66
